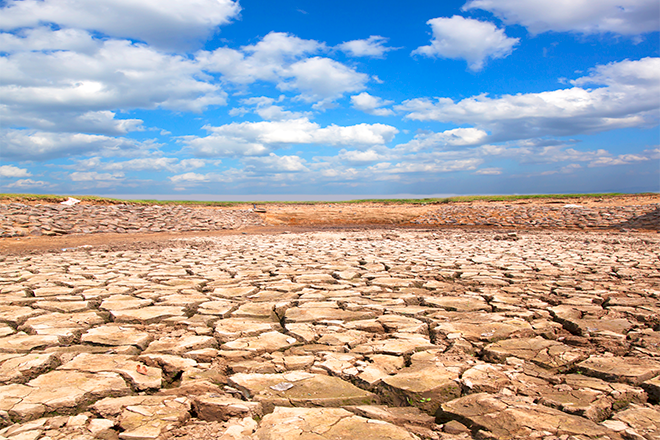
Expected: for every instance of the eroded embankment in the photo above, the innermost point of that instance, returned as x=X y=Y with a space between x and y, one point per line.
x=21 y=220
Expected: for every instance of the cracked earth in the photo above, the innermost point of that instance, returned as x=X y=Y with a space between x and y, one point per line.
x=506 y=331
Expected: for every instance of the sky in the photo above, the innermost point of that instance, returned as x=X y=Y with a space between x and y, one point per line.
x=308 y=99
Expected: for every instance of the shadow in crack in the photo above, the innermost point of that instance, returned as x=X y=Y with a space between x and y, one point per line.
x=650 y=220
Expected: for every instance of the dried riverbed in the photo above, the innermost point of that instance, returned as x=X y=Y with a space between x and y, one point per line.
x=335 y=334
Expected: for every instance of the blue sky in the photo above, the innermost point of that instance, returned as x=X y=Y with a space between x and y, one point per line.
x=221 y=99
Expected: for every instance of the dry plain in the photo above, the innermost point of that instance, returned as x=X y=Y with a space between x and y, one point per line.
x=500 y=320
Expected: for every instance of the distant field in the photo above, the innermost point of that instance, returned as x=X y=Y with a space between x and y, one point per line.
x=50 y=198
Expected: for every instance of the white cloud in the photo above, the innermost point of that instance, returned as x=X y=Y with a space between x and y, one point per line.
x=162 y=23
x=27 y=183
x=284 y=60
x=92 y=176
x=436 y=166
x=189 y=164
x=568 y=169
x=265 y=61
x=277 y=113
x=148 y=164
x=642 y=73
x=622 y=159
x=279 y=46
x=39 y=146
x=395 y=165
x=338 y=174
x=371 y=104
x=452 y=138
x=374 y=46
x=12 y=171
x=628 y=98
x=104 y=121
x=275 y=164
x=260 y=138
x=465 y=38
x=44 y=38
x=65 y=80
x=64 y=120
x=266 y=109
x=323 y=79
x=529 y=153
x=361 y=157
x=259 y=101
x=627 y=17
x=489 y=171
x=190 y=177
x=183 y=181
x=75 y=91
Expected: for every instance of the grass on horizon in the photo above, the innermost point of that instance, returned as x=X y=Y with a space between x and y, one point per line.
x=48 y=198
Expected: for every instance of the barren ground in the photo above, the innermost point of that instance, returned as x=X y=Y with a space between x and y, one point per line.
x=303 y=217
x=335 y=321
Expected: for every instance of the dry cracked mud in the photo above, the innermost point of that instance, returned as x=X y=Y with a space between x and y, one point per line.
x=372 y=333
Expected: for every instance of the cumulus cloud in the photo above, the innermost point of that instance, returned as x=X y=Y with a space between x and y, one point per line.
x=65 y=80
x=642 y=73
x=526 y=152
x=170 y=164
x=265 y=61
x=323 y=79
x=277 y=113
x=40 y=146
x=627 y=17
x=45 y=38
x=170 y=24
x=621 y=159
x=361 y=157
x=286 y=60
x=275 y=164
x=371 y=104
x=261 y=138
x=190 y=177
x=99 y=122
x=457 y=137
x=412 y=167
x=12 y=171
x=434 y=166
x=92 y=176
x=265 y=107
x=374 y=46
x=27 y=183
x=465 y=38
x=74 y=91
x=489 y=171
x=186 y=180
x=628 y=97
x=530 y=153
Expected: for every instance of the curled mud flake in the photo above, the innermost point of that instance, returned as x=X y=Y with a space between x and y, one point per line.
x=282 y=386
